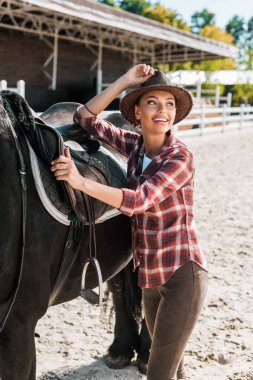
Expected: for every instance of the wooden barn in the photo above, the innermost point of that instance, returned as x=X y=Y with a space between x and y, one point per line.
x=67 y=50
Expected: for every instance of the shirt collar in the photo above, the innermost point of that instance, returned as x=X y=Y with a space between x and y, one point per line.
x=169 y=141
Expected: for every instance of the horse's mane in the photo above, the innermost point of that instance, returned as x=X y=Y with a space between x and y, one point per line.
x=17 y=109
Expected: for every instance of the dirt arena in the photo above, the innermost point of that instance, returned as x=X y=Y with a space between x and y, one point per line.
x=74 y=337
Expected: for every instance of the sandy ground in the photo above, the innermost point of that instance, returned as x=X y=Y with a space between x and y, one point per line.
x=74 y=337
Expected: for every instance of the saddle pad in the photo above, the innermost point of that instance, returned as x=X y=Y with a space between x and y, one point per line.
x=50 y=199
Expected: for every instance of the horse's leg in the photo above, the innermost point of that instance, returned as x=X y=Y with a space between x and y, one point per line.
x=143 y=349
x=17 y=351
x=121 y=351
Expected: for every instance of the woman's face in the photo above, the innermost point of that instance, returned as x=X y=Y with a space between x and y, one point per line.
x=156 y=112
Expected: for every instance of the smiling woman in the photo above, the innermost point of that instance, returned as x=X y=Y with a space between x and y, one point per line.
x=159 y=200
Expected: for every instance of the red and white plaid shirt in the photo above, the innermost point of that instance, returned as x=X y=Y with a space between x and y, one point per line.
x=159 y=201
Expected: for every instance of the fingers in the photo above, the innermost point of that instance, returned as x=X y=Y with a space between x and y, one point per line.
x=60 y=169
x=67 y=152
x=62 y=162
x=64 y=168
x=59 y=166
x=144 y=69
x=60 y=159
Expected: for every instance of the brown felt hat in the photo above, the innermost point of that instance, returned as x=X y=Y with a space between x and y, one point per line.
x=161 y=82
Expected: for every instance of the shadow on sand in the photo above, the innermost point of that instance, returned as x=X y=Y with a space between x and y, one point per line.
x=97 y=370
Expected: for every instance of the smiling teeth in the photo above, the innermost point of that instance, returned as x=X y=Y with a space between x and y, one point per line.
x=160 y=119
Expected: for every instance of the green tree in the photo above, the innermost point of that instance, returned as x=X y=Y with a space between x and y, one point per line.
x=200 y=19
x=249 y=45
x=242 y=33
x=109 y=2
x=236 y=27
x=138 y=7
x=242 y=93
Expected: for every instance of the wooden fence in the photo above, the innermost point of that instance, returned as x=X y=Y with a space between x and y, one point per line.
x=204 y=119
x=215 y=119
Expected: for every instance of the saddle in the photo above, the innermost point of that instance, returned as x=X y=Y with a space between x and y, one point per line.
x=51 y=132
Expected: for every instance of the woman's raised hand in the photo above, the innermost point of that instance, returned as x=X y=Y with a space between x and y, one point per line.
x=139 y=74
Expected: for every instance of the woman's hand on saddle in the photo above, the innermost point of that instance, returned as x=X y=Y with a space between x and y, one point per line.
x=65 y=169
x=139 y=74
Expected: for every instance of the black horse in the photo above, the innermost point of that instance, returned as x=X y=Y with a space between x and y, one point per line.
x=32 y=243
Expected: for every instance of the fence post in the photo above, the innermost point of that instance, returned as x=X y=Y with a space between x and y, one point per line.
x=229 y=99
x=241 y=115
x=217 y=96
x=21 y=87
x=202 y=123
x=99 y=81
x=3 y=85
x=224 y=112
x=198 y=94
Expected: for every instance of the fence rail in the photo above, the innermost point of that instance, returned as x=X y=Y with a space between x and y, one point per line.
x=215 y=119
x=206 y=119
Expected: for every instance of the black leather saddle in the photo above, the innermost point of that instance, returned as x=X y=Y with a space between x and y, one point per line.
x=47 y=135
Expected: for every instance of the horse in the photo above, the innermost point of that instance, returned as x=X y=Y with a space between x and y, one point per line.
x=33 y=241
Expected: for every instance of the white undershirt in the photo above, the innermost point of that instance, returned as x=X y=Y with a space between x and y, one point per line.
x=146 y=162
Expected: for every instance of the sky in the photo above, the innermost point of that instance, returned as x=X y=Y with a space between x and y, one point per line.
x=224 y=10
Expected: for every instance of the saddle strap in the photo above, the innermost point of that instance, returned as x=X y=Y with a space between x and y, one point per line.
x=71 y=248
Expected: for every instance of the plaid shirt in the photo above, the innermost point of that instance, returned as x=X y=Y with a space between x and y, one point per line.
x=159 y=201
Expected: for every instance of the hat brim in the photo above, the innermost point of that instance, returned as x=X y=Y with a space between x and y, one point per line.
x=60 y=114
x=183 y=98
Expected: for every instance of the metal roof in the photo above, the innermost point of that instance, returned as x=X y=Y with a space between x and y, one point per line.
x=95 y=24
x=225 y=77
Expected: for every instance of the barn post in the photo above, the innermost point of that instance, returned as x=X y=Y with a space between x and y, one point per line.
x=55 y=60
x=99 y=67
x=52 y=57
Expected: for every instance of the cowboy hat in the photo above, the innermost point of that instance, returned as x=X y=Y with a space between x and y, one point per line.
x=159 y=81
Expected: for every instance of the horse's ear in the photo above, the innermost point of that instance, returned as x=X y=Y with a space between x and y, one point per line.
x=60 y=114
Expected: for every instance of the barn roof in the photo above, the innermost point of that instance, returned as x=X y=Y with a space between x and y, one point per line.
x=94 y=24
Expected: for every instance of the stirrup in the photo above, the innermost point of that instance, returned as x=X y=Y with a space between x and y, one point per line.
x=88 y=294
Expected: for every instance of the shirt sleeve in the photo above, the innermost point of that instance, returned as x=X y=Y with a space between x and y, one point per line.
x=175 y=172
x=119 y=139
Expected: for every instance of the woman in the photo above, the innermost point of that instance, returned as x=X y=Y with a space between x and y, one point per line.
x=159 y=199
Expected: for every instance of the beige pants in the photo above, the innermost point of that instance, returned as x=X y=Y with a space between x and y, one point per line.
x=171 y=312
